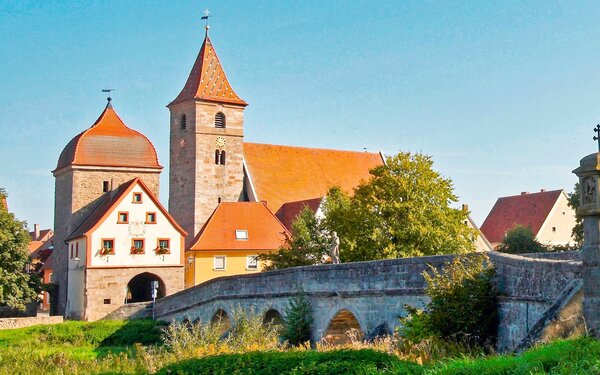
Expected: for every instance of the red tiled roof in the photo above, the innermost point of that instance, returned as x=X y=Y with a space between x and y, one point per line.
x=288 y=211
x=528 y=210
x=282 y=174
x=265 y=231
x=34 y=245
x=109 y=142
x=42 y=236
x=207 y=80
x=109 y=202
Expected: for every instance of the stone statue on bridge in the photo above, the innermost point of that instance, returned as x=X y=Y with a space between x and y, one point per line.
x=334 y=248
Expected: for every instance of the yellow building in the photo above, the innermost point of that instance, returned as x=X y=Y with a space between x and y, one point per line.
x=229 y=242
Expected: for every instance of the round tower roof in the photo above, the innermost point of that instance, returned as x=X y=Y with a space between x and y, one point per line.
x=109 y=143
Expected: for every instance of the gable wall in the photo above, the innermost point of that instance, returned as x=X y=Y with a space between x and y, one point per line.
x=562 y=217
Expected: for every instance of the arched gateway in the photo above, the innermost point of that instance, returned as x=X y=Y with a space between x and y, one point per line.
x=139 y=288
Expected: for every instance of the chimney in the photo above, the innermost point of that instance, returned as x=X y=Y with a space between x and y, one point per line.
x=465 y=208
x=36 y=232
x=524 y=193
x=542 y=190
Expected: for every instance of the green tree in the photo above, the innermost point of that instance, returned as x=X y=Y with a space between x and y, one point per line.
x=574 y=202
x=298 y=320
x=402 y=211
x=17 y=288
x=520 y=240
x=463 y=306
x=308 y=244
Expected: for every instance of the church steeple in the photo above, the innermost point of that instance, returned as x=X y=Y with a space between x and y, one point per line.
x=207 y=80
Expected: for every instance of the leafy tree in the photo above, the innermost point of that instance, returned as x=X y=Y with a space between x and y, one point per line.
x=520 y=240
x=308 y=244
x=298 y=320
x=402 y=211
x=17 y=288
x=463 y=306
x=574 y=202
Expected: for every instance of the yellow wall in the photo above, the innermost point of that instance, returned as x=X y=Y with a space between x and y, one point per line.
x=202 y=268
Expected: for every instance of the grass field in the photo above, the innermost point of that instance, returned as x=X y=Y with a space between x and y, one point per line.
x=114 y=347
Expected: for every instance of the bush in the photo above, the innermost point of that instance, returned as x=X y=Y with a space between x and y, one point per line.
x=298 y=319
x=294 y=362
x=463 y=306
x=521 y=240
x=199 y=338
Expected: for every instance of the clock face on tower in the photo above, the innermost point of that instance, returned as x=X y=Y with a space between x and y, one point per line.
x=220 y=143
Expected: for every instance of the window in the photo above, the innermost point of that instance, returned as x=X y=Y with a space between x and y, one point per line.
x=71 y=252
x=554 y=229
x=163 y=246
x=137 y=197
x=220 y=157
x=137 y=245
x=76 y=249
x=108 y=246
x=123 y=217
x=107 y=301
x=150 y=217
x=220 y=120
x=219 y=262
x=104 y=186
x=252 y=262
x=183 y=122
x=241 y=234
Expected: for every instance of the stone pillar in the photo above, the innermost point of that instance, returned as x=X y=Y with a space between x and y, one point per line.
x=589 y=175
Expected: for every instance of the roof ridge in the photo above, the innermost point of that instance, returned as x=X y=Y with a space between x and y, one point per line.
x=313 y=148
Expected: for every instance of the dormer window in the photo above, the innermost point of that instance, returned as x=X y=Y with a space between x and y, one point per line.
x=220 y=120
x=241 y=234
x=183 y=122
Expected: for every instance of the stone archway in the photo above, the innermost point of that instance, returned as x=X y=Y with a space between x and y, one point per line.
x=221 y=317
x=273 y=317
x=139 y=288
x=341 y=327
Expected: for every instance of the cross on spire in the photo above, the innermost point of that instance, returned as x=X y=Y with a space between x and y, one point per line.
x=597 y=137
x=205 y=17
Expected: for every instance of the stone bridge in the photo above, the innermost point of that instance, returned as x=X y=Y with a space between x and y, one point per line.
x=371 y=296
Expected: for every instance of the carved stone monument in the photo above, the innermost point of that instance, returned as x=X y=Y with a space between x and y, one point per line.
x=589 y=175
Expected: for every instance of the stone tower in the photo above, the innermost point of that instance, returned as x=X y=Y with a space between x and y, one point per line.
x=206 y=143
x=92 y=164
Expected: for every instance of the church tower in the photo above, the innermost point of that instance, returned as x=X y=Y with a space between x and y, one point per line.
x=206 y=143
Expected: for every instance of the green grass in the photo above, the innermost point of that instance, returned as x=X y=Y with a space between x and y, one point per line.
x=109 y=347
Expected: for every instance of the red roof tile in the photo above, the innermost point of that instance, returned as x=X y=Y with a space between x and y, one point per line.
x=282 y=174
x=207 y=80
x=265 y=231
x=109 y=142
x=528 y=210
x=109 y=202
x=289 y=211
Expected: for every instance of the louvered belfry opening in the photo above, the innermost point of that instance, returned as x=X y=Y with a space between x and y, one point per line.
x=220 y=120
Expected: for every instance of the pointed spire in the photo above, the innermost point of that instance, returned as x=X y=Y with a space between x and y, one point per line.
x=207 y=80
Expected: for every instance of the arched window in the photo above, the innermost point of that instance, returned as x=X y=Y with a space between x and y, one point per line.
x=183 y=122
x=217 y=156
x=220 y=120
x=222 y=160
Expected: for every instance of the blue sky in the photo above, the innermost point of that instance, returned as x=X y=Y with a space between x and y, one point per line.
x=503 y=95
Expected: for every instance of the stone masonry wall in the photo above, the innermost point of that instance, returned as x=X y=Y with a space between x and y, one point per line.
x=375 y=292
x=111 y=283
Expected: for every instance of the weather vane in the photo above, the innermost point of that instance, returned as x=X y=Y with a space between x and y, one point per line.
x=205 y=17
x=597 y=137
x=108 y=91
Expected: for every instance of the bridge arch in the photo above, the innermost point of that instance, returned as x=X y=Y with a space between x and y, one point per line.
x=221 y=317
x=272 y=316
x=343 y=323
